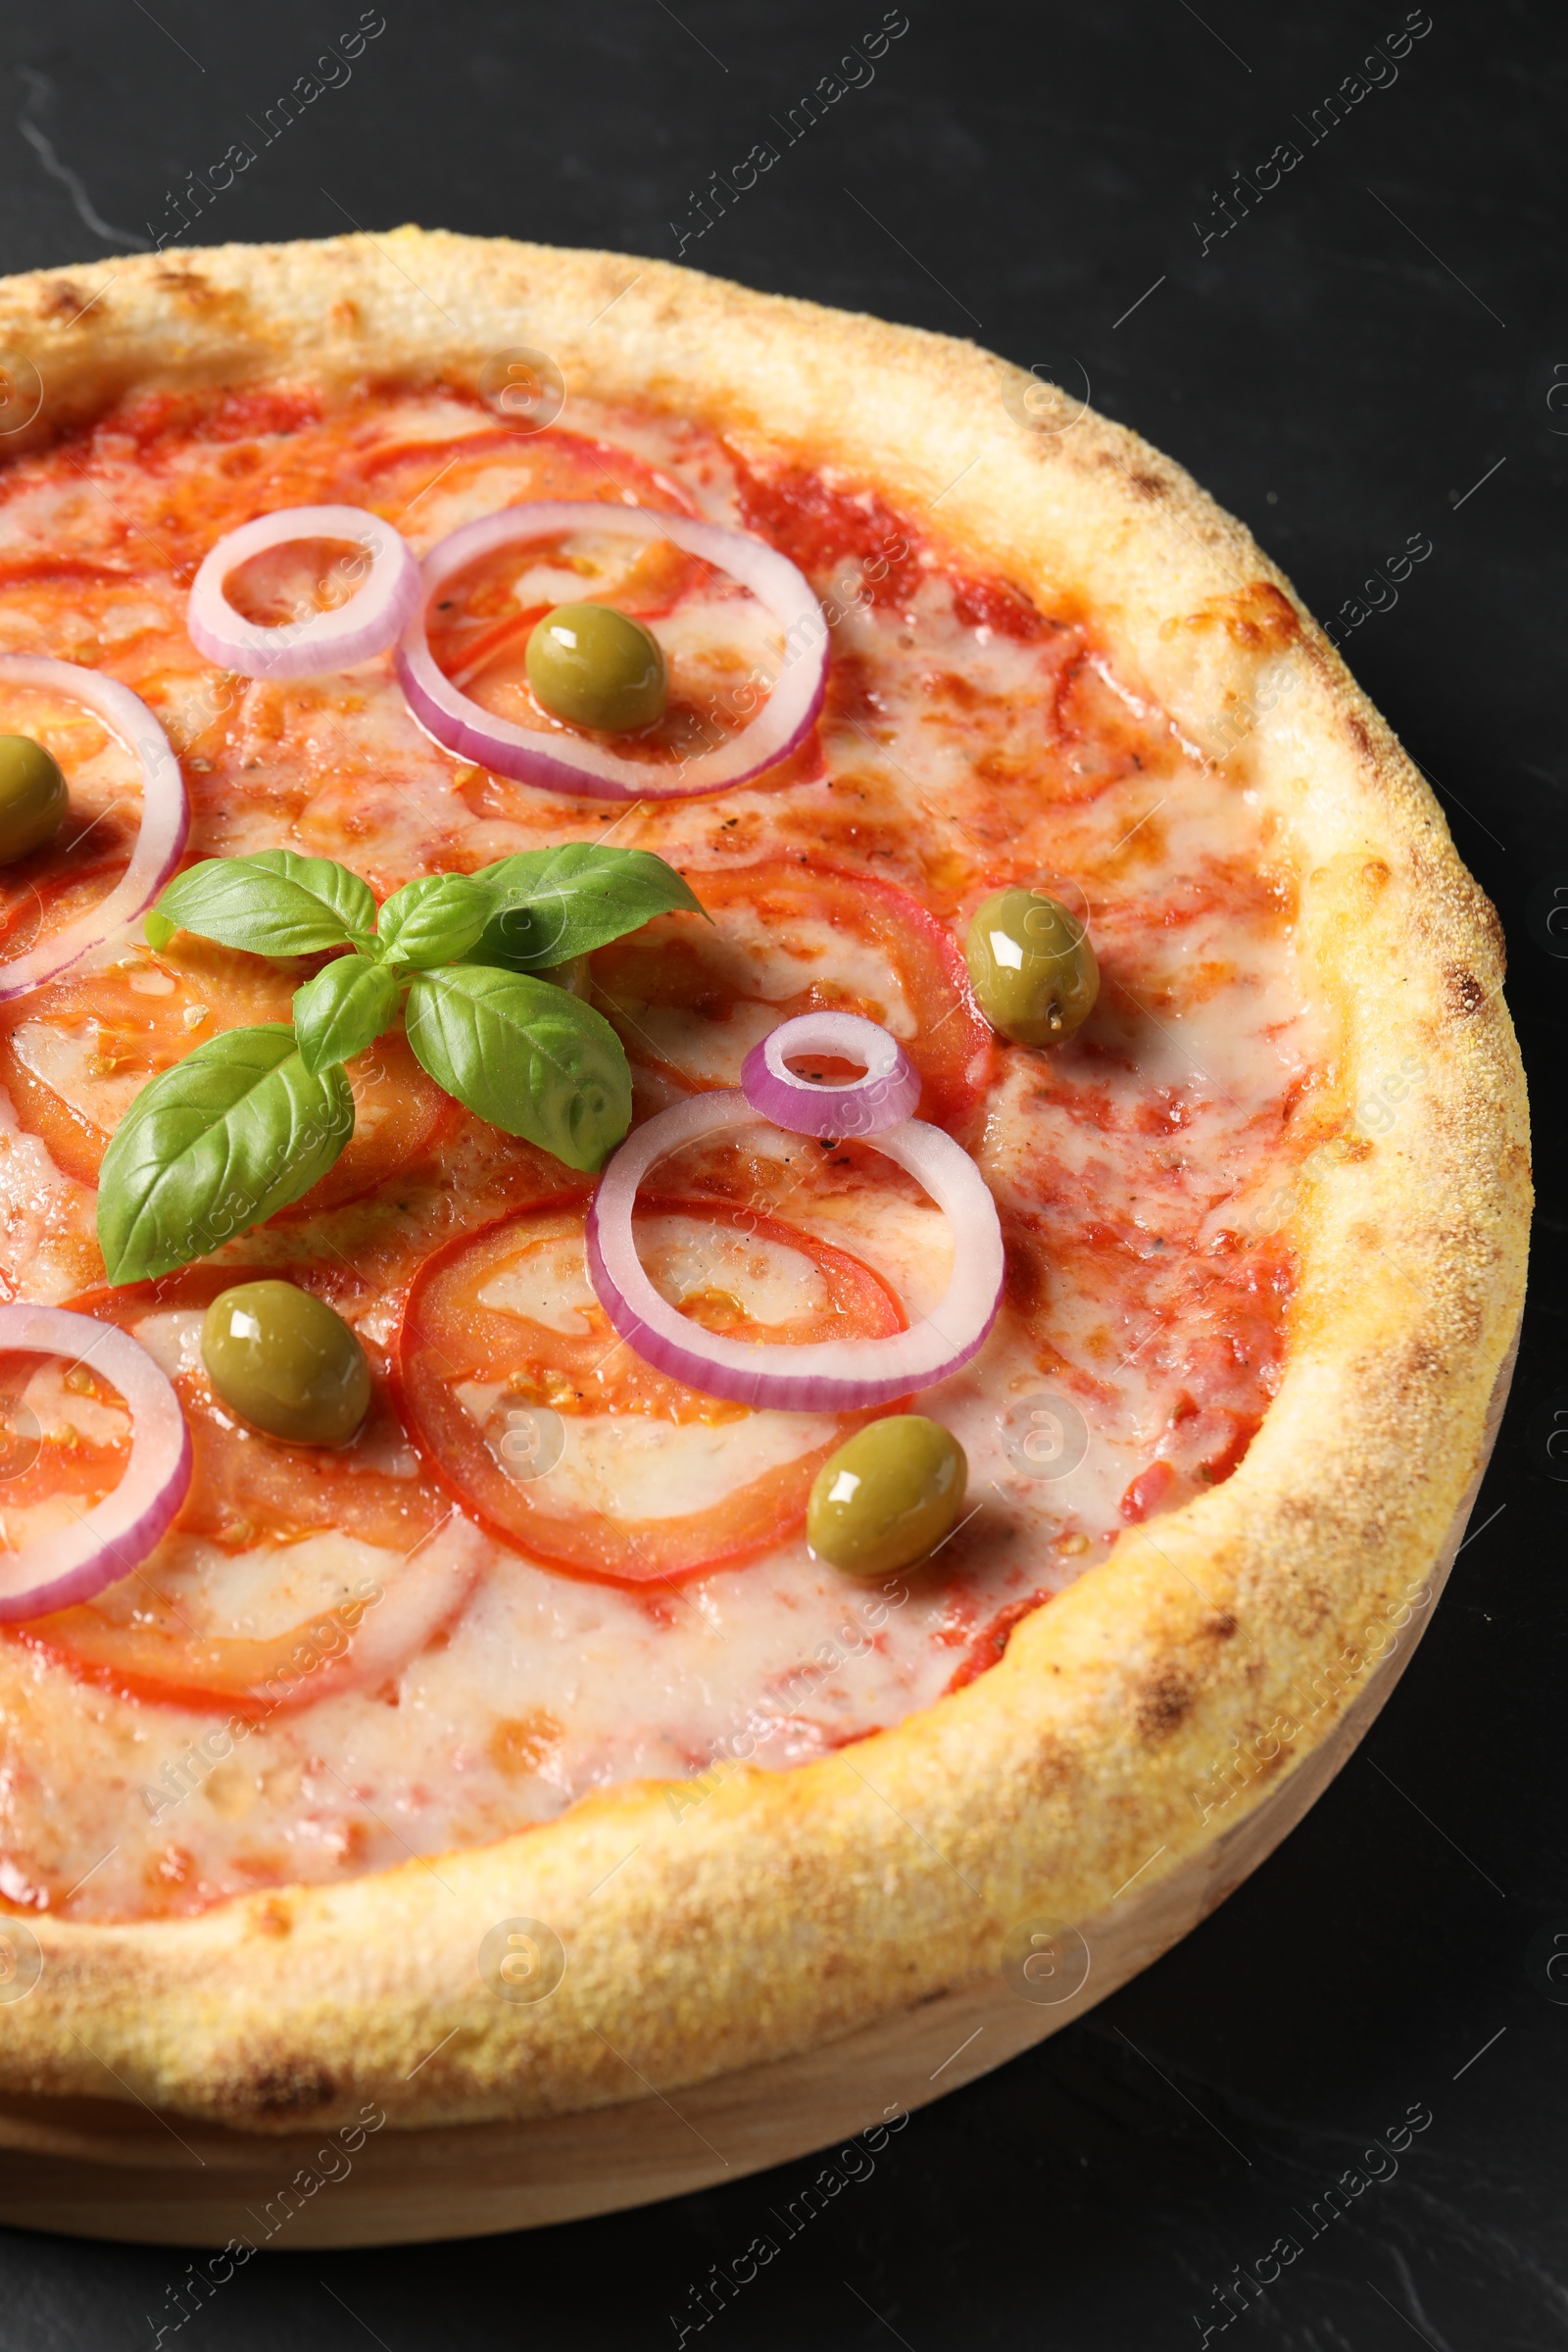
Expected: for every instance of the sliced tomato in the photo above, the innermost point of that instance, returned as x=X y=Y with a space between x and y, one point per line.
x=437 y=484
x=692 y=999
x=567 y=1444
x=286 y=1592
x=75 y=1056
x=55 y=885
x=478 y=628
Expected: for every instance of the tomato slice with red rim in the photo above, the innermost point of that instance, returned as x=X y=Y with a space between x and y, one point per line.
x=74 y=1055
x=553 y=463
x=478 y=628
x=278 y=1551
x=563 y=1441
x=429 y=486
x=690 y=999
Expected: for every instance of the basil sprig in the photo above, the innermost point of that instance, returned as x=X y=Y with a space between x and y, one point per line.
x=249 y=1120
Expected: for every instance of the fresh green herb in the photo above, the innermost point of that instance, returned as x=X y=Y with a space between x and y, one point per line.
x=228 y=1137
x=343 y=1010
x=434 y=920
x=249 y=1120
x=554 y=904
x=527 y=1057
x=274 y=904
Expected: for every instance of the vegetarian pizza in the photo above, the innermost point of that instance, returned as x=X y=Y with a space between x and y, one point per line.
x=760 y=1176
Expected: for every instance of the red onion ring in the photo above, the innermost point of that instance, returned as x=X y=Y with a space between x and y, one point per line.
x=868 y=1105
x=108 y=1542
x=371 y=619
x=822 y=1375
x=573 y=765
x=165 y=816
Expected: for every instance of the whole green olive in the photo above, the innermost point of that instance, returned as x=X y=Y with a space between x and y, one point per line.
x=286 y=1363
x=33 y=799
x=598 y=667
x=888 y=1496
x=1032 y=966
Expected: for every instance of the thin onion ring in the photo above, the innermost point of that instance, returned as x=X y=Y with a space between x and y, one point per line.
x=115 y=1535
x=368 y=624
x=818 y=1376
x=572 y=765
x=165 y=816
x=884 y=1098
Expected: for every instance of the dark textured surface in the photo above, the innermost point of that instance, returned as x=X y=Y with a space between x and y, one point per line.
x=1371 y=354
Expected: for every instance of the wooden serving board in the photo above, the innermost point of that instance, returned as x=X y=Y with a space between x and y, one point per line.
x=102 y=2168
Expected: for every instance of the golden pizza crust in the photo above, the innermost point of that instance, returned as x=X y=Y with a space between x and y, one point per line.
x=1153 y=1704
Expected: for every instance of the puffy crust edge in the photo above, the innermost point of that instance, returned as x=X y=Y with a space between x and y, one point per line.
x=1211 y=1649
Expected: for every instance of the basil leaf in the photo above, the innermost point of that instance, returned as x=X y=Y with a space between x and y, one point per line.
x=342 y=1010
x=525 y=1055
x=324 y=879
x=275 y=904
x=435 y=919
x=552 y=905
x=231 y=1134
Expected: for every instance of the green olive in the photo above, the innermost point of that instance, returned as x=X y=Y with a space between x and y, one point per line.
x=888 y=1496
x=33 y=797
x=598 y=667
x=286 y=1363
x=1033 y=968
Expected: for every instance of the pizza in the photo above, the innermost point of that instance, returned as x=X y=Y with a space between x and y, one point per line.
x=549 y=757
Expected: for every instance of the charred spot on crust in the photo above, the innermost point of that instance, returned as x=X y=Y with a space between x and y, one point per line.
x=1162 y=1702
x=274 y=1917
x=1047 y=1773
x=64 y=299
x=302 y=2088
x=189 y=284
x=1221 y=1626
x=1465 y=992
x=1356 y=728
x=1148 y=485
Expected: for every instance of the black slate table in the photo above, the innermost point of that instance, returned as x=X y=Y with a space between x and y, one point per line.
x=1365 y=345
